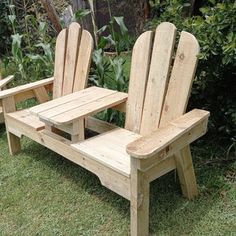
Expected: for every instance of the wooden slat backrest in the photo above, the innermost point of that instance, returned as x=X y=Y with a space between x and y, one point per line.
x=157 y=96
x=72 y=60
x=138 y=79
x=181 y=79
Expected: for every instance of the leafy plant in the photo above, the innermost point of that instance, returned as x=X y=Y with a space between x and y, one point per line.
x=214 y=85
x=32 y=59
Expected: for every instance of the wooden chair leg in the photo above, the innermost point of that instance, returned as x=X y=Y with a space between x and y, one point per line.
x=139 y=203
x=186 y=173
x=13 y=143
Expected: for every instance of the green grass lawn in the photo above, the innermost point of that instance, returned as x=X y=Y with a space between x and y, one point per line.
x=41 y=193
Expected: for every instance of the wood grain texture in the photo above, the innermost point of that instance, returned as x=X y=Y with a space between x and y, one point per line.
x=13 y=141
x=5 y=81
x=23 y=88
x=138 y=80
x=160 y=140
x=181 y=80
x=83 y=62
x=158 y=77
x=71 y=57
x=59 y=63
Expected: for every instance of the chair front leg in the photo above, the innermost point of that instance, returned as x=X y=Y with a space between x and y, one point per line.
x=139 y=202
x=13 y=141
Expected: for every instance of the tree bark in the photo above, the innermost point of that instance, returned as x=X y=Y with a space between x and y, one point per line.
x=50 y=9
x=135 y=13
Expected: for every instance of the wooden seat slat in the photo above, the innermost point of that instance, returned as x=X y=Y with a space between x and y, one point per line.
x=109 y=149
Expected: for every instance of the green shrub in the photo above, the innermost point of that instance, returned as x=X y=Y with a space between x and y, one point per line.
x=31 y=45
x=5 y=31
x=214 y=87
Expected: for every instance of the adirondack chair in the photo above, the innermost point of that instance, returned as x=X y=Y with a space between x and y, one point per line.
x=3 y=83
x=157 y=130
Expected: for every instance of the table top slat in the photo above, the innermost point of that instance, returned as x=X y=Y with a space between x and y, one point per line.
x=67 y=109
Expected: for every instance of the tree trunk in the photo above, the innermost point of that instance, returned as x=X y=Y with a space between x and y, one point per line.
x=135 y=13
x=86 y=22
x=50 y=9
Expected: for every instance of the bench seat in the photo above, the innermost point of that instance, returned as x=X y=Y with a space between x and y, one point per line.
x=109 y=149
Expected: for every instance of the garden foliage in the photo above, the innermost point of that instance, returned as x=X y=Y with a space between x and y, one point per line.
x=214 y=86
x=31 y=43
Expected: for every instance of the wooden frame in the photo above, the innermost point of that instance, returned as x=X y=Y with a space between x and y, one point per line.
x=128 y=160
x=3 y=83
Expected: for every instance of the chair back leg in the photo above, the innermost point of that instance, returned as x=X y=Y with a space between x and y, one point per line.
x=186 y=173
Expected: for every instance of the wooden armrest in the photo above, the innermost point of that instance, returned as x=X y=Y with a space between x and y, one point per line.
x=23 y=88
x=166 y=141
x=4 y=82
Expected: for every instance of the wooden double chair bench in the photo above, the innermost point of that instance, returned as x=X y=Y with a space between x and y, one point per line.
x=157 y=132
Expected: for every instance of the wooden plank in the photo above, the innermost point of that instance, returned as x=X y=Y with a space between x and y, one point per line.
x=23 y=88
x=83 y=98
x=98 y=126
x=59 y=64
x=78 y=131
x=85 y=110
x=5 y=81
x=109 y=149
x=160 y=169
x=84 y=61
x=13 y=141
x=62 y=100
x=1 y=116
x=73 y=42
x=138 y=80
x=139 y=202
x=158 y=77
x=186 y=173
x=41 y=94
x=161 y=140
x=26 y=118
x=181 y=78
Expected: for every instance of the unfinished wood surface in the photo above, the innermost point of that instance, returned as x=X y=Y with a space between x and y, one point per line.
x=41 y=94
x=78 y=105
x=5 y=81
x=139 y=201
x=59 y=64
x=85 y=110
x=71 y=57
x=65 y=104
x=25 y=117
x=158 y=77
x=1 y=115
x=109 y=149
x=161 y=168
x=65 y=99
x=83 y=62
x=186 y=173
x=98 y=126
x=78 y=131
x=150 y=145
x=181 y=80
x=138 y=79
x=13 y=141
x=23 y=88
